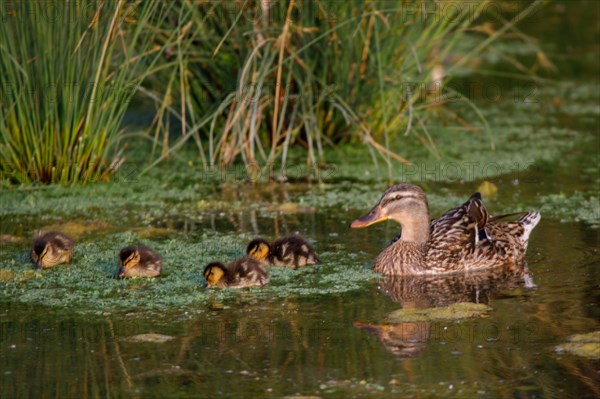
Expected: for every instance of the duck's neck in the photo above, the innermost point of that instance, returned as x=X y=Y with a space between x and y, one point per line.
x=415 y=228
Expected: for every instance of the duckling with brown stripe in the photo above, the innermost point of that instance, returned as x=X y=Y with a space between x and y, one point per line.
x=241 y=273
x=292 y=251
x=139 y=261
x=51 y=249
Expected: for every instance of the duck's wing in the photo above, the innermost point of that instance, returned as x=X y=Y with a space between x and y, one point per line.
x=478 y=218
x=463 y=226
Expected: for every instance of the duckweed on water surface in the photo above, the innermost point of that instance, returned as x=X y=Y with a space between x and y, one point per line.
x=90 y=283
x=455 y=311
x=585 y=345
x=577 y=206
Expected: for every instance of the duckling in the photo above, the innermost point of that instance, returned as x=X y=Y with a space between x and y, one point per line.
x=462 y=239
x=241 y=273
x=288 y=251
x=51 y=249
x=138 y=261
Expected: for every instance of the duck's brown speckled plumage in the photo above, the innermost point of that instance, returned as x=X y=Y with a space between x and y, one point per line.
x=292 y=251
x=241 y=273
x=139 y=261
x=462 y=239
x=51 y=249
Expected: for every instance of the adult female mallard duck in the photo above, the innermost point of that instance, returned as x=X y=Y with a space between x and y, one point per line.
x=51 y=249
x=288 y=251
x=138 y=261
x=241 y=273
x=462 y=239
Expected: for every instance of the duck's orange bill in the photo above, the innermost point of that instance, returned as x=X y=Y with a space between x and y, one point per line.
x=370 y=218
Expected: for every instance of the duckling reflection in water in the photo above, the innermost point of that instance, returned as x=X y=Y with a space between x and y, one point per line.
x=241 y=273
x=51 y=249
x=289 y=251
x=139 y=261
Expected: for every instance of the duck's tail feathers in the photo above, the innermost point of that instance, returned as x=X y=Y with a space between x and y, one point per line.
x=528 y=221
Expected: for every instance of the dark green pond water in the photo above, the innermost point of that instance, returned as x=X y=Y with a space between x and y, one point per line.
x=332 y=330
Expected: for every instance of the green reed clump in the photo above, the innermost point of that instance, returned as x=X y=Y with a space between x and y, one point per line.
x=249 y=79
x=69 y=70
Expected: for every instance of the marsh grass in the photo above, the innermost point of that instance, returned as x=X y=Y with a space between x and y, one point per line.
x=69 y=71
x=248 y=80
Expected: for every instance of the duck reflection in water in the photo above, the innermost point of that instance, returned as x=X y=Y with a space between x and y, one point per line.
x=409 y=339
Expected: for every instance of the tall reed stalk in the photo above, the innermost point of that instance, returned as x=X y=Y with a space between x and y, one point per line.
x=249 y=79
x=69 y=70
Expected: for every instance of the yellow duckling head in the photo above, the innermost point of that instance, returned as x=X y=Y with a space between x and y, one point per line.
x=258 y=249
x=213 y=273
x=129 y=257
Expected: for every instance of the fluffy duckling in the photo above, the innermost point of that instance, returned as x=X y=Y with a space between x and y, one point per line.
x=51 y=249
x=288 y=251
x=241 y=273
x=138 y=261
